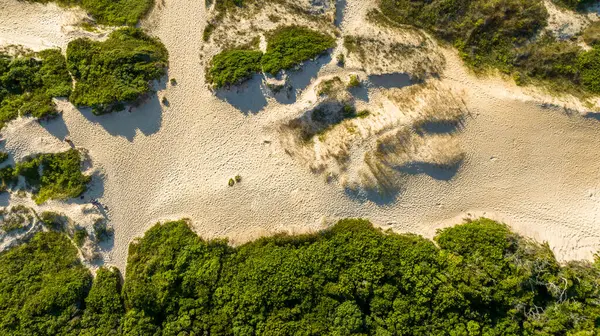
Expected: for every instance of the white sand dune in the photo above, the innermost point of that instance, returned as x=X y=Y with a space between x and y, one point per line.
x=538 y=169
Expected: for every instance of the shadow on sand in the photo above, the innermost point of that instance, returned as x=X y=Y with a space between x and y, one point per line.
x=146 y=116
x=248 y=97
x=340 y=8
x=298 y=80
x=593 y=115
x=392 y=80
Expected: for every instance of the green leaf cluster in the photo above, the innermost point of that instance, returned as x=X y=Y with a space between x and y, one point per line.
x=51 y=176
x=287 y=47
x=352 y=279
x=233 y=67
x=29 y=82
x=110 y=12
x=503 y=34
x=114 y=71
x=42 y=287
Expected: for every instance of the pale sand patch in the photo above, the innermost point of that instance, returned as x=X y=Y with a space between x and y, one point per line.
x=536 y=168
x=40 y=27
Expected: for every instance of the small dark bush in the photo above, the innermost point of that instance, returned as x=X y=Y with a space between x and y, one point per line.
x=79 y=236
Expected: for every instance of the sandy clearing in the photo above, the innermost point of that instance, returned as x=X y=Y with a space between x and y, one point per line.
x=538 y=169
x=39 y=27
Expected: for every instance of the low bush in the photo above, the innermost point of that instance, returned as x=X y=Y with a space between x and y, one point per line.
x=42 y=286
x=233 y=67
x=505 y=35
x=289 y=46
x=54 y=176
x=3 y=156
x=115 y=71
x=591 y=35
x=29 y=82
x=111 y=12
x=351 y=279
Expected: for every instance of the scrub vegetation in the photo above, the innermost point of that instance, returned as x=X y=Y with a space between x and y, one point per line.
x=29 y=82
x=116 y=71
x=352 y=279
x=287 y=47
x=233 y=67
x=49 y=176
x=506 y=35
x=110 y=12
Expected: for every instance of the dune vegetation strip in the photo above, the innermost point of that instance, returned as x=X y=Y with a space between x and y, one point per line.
x=110 y=12
x=28 y=82
x=48 y=176
x=287 y=47
x=116 y=71
x=352 y=279
x=506 y=35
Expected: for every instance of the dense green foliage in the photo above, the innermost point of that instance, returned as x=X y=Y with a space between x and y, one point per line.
x=503 y=34
x=115 y=71
x=232 y=67
x=351 y=279
x=53 y=176
x=110 y=12
x=42 y=287
x=28 y=83
x=289 y=46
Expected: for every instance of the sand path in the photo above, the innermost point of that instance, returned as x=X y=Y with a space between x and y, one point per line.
x=535 y=168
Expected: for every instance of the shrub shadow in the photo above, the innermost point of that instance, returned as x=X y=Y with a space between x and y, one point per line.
x=441 y=173
x=360 y=92
x=56 y=127
x=298 y=80
x=380 y=197
x=440 y=127
x=392 y=80
x=593 y=115
x=248 y=97
x=145 y=116
x=340 y=8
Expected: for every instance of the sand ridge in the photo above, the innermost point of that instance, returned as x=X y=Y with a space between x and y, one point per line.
x=534 y=167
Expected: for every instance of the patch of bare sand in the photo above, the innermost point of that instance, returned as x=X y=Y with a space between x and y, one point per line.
x=37 y=26
x=536 y=168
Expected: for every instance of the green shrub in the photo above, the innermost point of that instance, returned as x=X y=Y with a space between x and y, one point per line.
x=231 y=182
x=111 y=12
x=233 y=67
x=3 y=156
x=480 y=279
x=115 y=71
x=504 y=35
x=101 y=231
x=79 y=236
x=289 y=46
x=210 y=27
x=42 y=286
x=354 y=81
x=60 y=176
x=591 y=35
x=354 y=279
x=104 y=304
x=28 y=84
x=484 y=32
x=52 y=220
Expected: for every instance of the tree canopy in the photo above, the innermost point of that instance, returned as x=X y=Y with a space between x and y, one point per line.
x=478 y=278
